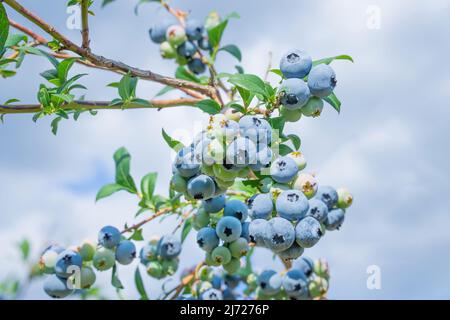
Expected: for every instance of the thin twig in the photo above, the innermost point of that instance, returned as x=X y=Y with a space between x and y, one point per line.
x=85 y=24
x=140 y=224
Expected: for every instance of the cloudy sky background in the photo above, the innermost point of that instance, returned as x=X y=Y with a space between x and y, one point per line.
x=388 y=145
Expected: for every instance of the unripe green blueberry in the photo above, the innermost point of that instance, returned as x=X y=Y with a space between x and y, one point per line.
x=221 y=255
x=321 y=268
x=299 y=159
x=290 y=115
x=87 y=250
x=318 y=287
x=252 y=281
x=167 y=50
x=104 y=259
x=232 y=266
x=239 y=248
x=208 y=170
x=224 y=174
x=307 y=184
x=47 y=261
x=170 y=266
x=210 y=261
x=345 y=198
x=87 y=277
x=313 y=107
x=176 y=35
x=155 y=269
x=178 y=183
x=182 y=61
x=243 y=173
x=201 y=218
x=204 y=273
x=215 y=150
x=232 y=114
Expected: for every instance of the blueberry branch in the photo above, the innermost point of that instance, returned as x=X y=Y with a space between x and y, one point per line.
x=152 y=217
x=85 y=23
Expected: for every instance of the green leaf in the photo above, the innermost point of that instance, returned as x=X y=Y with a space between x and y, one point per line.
x=233 y=50
x=334 y=102
x=284 y=149
x=246 y=96
x=277 y=123
x=39 y=52
x=215 y=34
x=187 y=227
x=14 y=39
x=331 y=59
x=140 y=284
x=137 y=235
x=296 y=142
x=4 y=27
x=54 y=124
x=277 y=72
x=115 y=281
x=148 y=183
x=184 y=74
x=13 y=100
x=24 y=247
x=49 y=74
x=209 y=106
x=239 y=69
x=236 y=106
x=250 y=82
x=164 y=90
x=122 y=159
x=108 y=190
x=64 y=67
x=127 y=87
x=141 y=102
x=172 y=143
x=106 y=2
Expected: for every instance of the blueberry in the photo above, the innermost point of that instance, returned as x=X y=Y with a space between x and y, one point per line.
x=212 y=294
x=239 y=248
x=321 y=269
x=201 y=218
x=322 y=80
x=305 y=265
x=263 y=158
x=196 y=66
x=328 y=195
x=256 y=231
x=335 y=219
x=313 y=107
x=225 y=129
x=292 y=205
x=125 y=252
x=49 y=257
x=209 y=260
x=299 y=159
x=295 y=64
x=158 y=31
x=167 y=51
x=241 y=152
x=175 y=35
x=295 y=284
x=256 y=128
x=56 y=287
x=245 y=231
x=66 y=263
x=283 y=169
x=204 y=43
x=186 y=165
x=187 y=49
x=207 y=239
x=318 y=287
x=216 y=281
x=87 y=250
x=317 y=209
x=155 y=270
x=229 y=229
x=215 y=204
x=294 y=93
x=178 y=183
x=260 y=206
x=232 y=266
x=307 y=184
x=170 y=266
x=194 y=29
x=345 y=198
x=104 y=259
x=270 y=282
x=290 y=115
x=221 y=172
x=292 y=253
x=279 y=235
x=87 y=277
x=109 y=237
x=147 y=253
x=169 y=246
x=201 y=187
x=308 y=232
x=221 y=255
x=236 y=208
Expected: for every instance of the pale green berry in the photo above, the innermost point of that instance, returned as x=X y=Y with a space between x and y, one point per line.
x=155 y=269
x=170 y=266
x=291 y=115
x=104 y=259
x=221 y=255
x=313 y=107
x=203 y=273
x=223 y=174
x=210 y=261
x=87 y=277
x=87 y=250
x=224 y=184
x=178 y=183
x=201 y=218
x=345 y=198
x=299 y=159
x=212 y=20
x=232 y=266
x=182 y=61
x=232 y=114
x=321 y=268
x=167 y=50
x=318 y=287
x=239 y=248
x=307 y=184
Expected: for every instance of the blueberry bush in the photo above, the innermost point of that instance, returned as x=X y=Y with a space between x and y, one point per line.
x=240 y=185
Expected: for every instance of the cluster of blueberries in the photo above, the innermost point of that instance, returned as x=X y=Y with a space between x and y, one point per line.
x=160 y=256
x=304 y=85
x=72 y=269
x=183 y=43
x=307 y=279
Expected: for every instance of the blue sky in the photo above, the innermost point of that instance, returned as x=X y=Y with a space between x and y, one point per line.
x=388 y=145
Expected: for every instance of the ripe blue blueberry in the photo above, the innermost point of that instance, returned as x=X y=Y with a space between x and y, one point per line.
x=295 y=284
x=263 y=158
x=56 y=287
x=317 y=209
x=294 y=93
x=292 y=205
x=67 y=262
x=245 y=231
x=201 y=187
x=270 y=282
x=305 y=265
x=147 y=253
x=335 y=219
x=158 y=31
x=328 y=195
x=283 y=169
x=204 y=43
x=212 y=294
x=279 y=235
x=295 y=64
x=256 y=129
x=256 y=231
x=197 y=66
x=125 y=252
x=308 y=232
x=109 y=237
x=292 y=253
x=260 y=206
x=187 y=49
x=215 y=204
x=322 y=80
x=236 y=208
x=229 y=229
x=207 y=239
x=169 y=246
x=194 y=29
x=186 y=165
x=313 y=108
x=241 y=152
